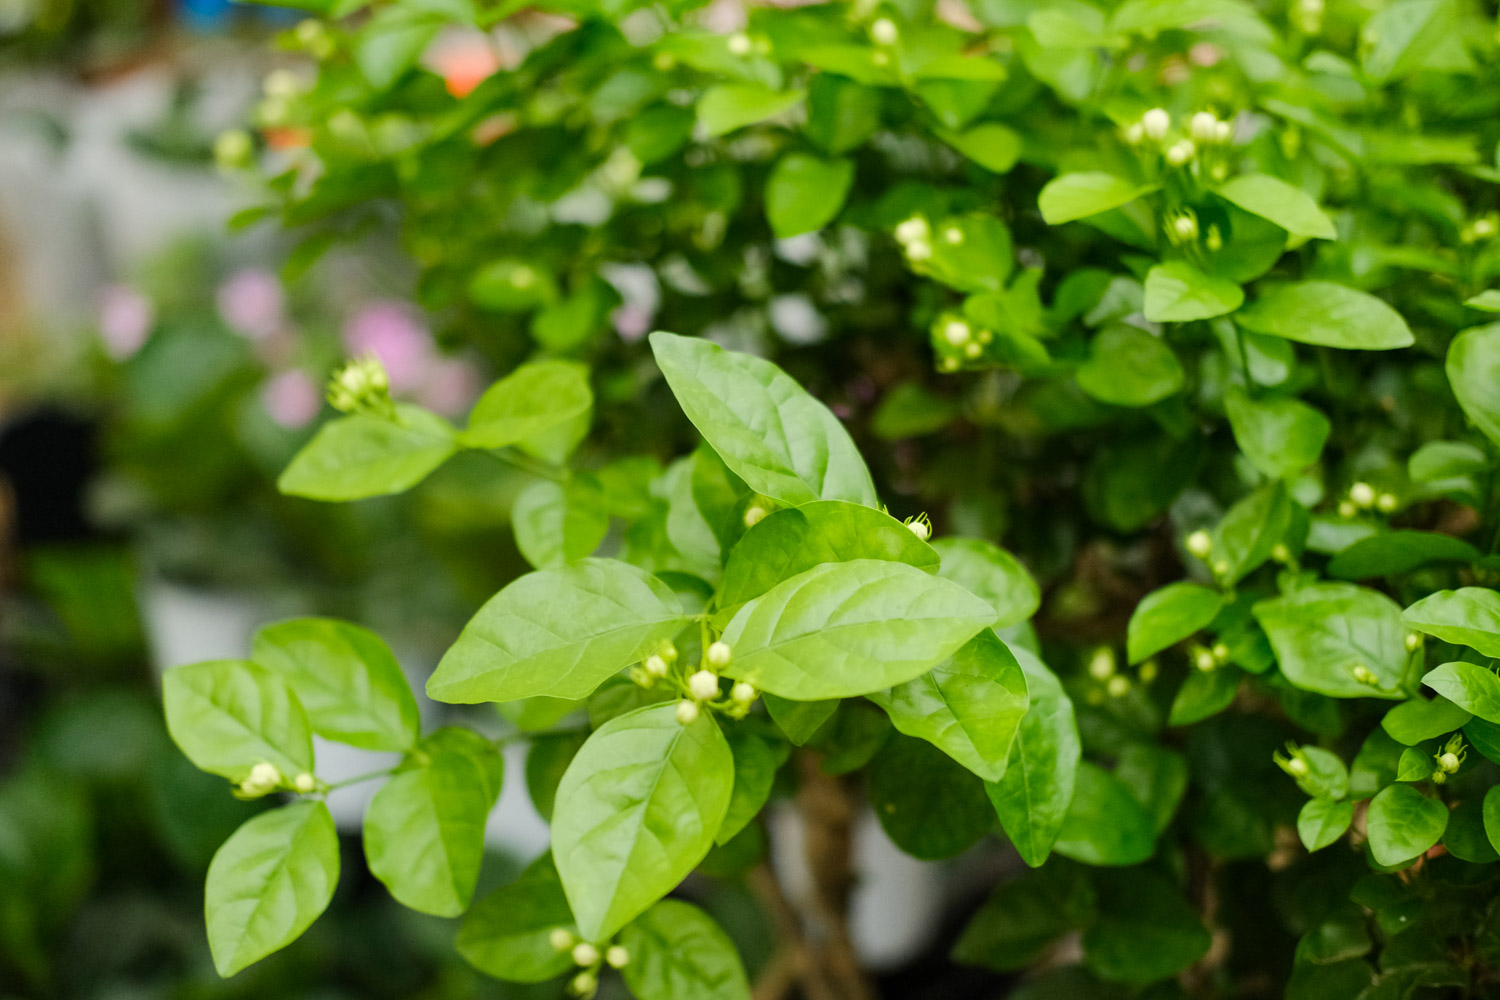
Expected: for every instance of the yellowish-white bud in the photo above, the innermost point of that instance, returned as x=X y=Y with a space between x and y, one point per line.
x=1297 y=767
x=282 y=84
x=884 y=32
x=561 y=939
x=1204 y=128
x=739 y=44
x=264 y=774
x=655 y=666
x=1156 y=122
x=953 y=236
x=1281 y=553
x=1204 y=660
x=584 y=984
x=1413 y=640
x=305 y=783
x=1223 y=132
x=1347 y=508
x=754 y=514
x=957 y=332
x=233 y=149
x=1181 y=152
x=921 y=529
x=1200 y=543
x=1363 y=494
x=1102 y=663
x=1221 y=567
x=1119 y=686
x=743 y=693
x=919 y=250
x=1386 y=503
x=1135 y=133
x=704 y=685
x=913 y=229
x=585 y=953
x=1148 y=671
x=719 y=655
x=617 y=957
x=1220 y=652
x=973 y=350
x=687 y=712
x=1362 y=673
x=1185 y=227
x=1448 y=762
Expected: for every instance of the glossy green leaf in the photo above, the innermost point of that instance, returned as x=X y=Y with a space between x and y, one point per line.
x=558 y=632
x=1145 y=930
x=1271 y=198
x=1033 y=797
x=547 y=761
x=1129 y=367
x=1157 y=777
x=1469 y=616
x=781 y=441
x=1403 y=823
x=1024 y=916
x=991 y=574
x=560 y=522
x=1323 y=821
x=804 y=193
x=970 y=252
x=508 y=934
x=1249 y=532
x=1177 y=292
x=754 y=773
x=1322 y=632
x=841 y=114
x=928 y=805
x=1390 y=553
x=359 y=456
x=534 y=398
x=1486 y=301
x=1280 y=437
x=229 y=715
x=1168 y=615
x=1329 y=314
x=969 y=706
x=991 y=145
x=1078 y=196
x=269 y=882
x=1418 y=719
x=636 y=811
x=1105 y=824
x=1204 y=693
x=796 y=539
x=1492 y=816
x=676 y=950
x=346 y=678
x=849 y=628
x=726 y=107
x=1473 y=688
x=800 y=720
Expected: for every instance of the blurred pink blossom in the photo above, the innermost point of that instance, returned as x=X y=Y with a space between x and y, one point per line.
x=391 y=332
x=253 y=303
x=451 y=386
x=125 y=320
x=631 y=322
x=291 y=398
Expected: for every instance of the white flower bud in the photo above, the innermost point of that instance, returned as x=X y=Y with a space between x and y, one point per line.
x=1386 y=503
x=1119 y=686
x=305 y=783
x=973 y=350
x=1363 y=494
x=282 y=84
x=1134 y=133
x=743 y=693
x=655 y=666
x=1297 y=767
x=584 y=984
x=704 y=685
x=739 y=44
x=585 y=953
x=1221 y=567
x=1485 y=228
x=617 y=957
x=561 y=939
x=1204 y=128
x=957 y=332
x=719 y=655
x=754 y=514
x=1448 y=762
x=1362 y=673
x=1413 y=640
x=1156 y=122
x=1102 y=663
x=1281 y=553
x=919 y=250
x=268 y=775
x=1347 y=508
x=1204 y=660
x=1149 y=670
x=921 y=529
x=687 y=712
x=912 y=229
x=953 y=236
x=233 y=149
x=884 y=31
x=1181 y=152
x=1215 y=239
x=1223 y=132
x=1200 y=543
x=1220 y=652
x=1185 y=227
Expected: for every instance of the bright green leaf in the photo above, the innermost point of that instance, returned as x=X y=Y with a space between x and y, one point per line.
x=1473 y=688
x=1271 y=198
x=1077 y=196
x=1469 y=616
x=1322 y=632
x=229 y=715
x=1323 y=821
x=1105 y=825
x=1403 y=823
x=1177 y=292
x=363 y=455
x=1033 y=797
x=677 y=951
x=1168 y=615
x=508 y=935
x=1129 y=367
x=991 y=574
x=532 y=399
x=804 y=193
x=1329 y=314
x=1280 y=437
x=725 y=107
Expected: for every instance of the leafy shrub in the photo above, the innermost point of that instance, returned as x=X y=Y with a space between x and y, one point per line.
x=1182 y=299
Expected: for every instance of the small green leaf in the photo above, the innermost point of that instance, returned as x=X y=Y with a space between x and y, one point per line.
x=1177 y=292
x=927 y=804
x=841 y=114
x=1469 y=616
x=1168 y=615
x=424 y=834
x=781 y=441
x=1271 y=198
x=1322 y=632
x=1204 y=693
x=991 y=574
x=1077 y=196
x=1323 y=821
x=508 y=935
x=346 y=678
x=362 y=455
x=800 y=720
x=229 y=715
x=969 y=706
x=534 y=398
x=754 y=774
x=1390 y=553
x=849 y=628
x=1328 y=314
x=677 y=951
x=1280 y=437
x=1403 y=823
x=559 y=522
x=636 y=811
x=1129 y=367
x=1414 y=765
x=269 y=882
x=1486 y=301
x=1492 y=816
x=1418 y=719
x=1473 y=688
x=558 y=632
x=1250 y=531
x=1105 y=824
x=804 y=193
x=970 y=252
x=991 y=145
x=726 y=107
x=1033 y=797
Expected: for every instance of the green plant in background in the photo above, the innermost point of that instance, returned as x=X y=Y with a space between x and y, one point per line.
x=1183 y=300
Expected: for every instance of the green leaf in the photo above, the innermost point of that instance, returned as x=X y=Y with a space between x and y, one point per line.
x=1145 y=930
x=1328 y=314
x=1280 y=437
x=969 y=706
x=725 y=107
x=927 y=804
x=1466 y=837
x=392 y=41
x=970 y=252
x=799 y=720
x=269 y=882
x=229 y=715
x=1024 y=916
x=361 y=456
x=1322 y=632
x=547 y=761
x=781 y=441
x=560 y=522
x=1033 y=797
x=1077 y=196
x=1127 y=366
x=636 y=811
x=424 y=834
x=558 y=632
x=1271 y=198
x=991 y=145
x=804 y=193
x=796 y=539
x=1414 y=765
x=346 y=678
x=754 y=773
x=677 y=951
x=534 y=398
x=841 y=114
x=1492 y=816
x=1469 y=616
x=849 y=628
x=1177 y=292
x=508 y=935
x=1249 y=532
x=991 y=574
x=1403 y=823
x=512 y=285
x=1473 y=688
x=1105 y=824
x=1323 y=821
x=1394 y=552
x=1486 y=301
x=1168 y=615
x=1204 y=693
x=1418 y=719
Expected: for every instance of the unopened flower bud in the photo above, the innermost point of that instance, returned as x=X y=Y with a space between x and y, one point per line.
x=1185 y=228
x=687 y=712
x=282 y=84
x=233 y=149
x=921 y=529
x=912 y=229
x=1223 y=132
x=1156 y=122
x=1135 y=133
x=1347 y=508
x=1204 y=660
x=1413 y=640
x=704 y=685
x=743 y=693
x=1448 y=762
x=1386 y=503
x=957 y=332
x=1200 y=543
x=973 y=350
x=1363 y=494
x=1297 y=767
x=265 y=774
x=919 y=250
x=1181 y=152
x=584 y=984
x=1221 y=568
x=585 y=953
x=617 y=957
x=305 y=783
x=1220 y=652
x=1102 y=663
x=1148 y=671
x=953 y=236
x=1439 y=777
x=1204 y=127
x=719 y=655
x=754 y=514
x=739 y=44
x=561 y=939
x=1214 y=240
x=655 y=666
x=1119 y=686
x=1281 y=553
x=884 y=32
x=1362 y=673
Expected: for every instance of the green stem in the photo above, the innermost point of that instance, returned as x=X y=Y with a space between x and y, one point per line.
x=357 y=779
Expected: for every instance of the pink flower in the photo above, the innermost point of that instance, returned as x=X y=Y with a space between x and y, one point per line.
x=451 y=386
x=125 y=320
x=391 y=332
x=631 y=322
x=291 y=398
x=253 y=303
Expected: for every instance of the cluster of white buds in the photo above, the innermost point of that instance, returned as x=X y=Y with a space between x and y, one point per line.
x=656 y=666
x=1449 y=759
x=362 y=386
x=262 y=780
x=1486 y=227
x=883 y=32
x=957 y=342
x=1363 y=496
x=1210 y=658
x=915 y=237
x=703 y=685
x=1207 y=129
x=1364 y=675
x=921 y=526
